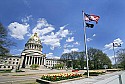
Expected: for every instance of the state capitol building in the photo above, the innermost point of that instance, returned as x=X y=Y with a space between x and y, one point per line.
x=32 y=54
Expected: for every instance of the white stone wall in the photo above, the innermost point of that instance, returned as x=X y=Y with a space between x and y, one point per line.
x=13 y=60
x=10 y=63
x=5 y=67
x=51 y=62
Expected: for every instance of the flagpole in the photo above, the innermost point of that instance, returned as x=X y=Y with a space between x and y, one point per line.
x=114 y=56
x=85 y=45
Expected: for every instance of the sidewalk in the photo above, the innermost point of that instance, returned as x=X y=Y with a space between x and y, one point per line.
x=95 y=79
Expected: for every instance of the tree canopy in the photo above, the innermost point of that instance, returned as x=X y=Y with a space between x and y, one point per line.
x=97 y=59
x=5 y=42
x=121 y=58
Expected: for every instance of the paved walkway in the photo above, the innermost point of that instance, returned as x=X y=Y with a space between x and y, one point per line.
x=94 y=80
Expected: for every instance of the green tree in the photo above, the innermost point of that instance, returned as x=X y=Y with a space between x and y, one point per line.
x=57 y=66
x=81 y=60
x=121 y=58
x=34 y=66
x=5 y=42
x=97 y=59
x=74 y=59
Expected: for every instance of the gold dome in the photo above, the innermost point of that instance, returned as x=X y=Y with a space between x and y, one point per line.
x=35 y=37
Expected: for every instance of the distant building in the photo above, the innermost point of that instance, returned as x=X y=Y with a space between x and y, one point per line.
x=10 y=62
x=52 y=62
x=32 y=54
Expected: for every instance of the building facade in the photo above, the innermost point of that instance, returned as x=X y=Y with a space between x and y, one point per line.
x=10 y=62
x=32 y=54
x=52 y=62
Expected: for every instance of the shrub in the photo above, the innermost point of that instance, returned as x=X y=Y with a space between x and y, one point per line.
x=5 y=71
x=93 y=73
x=34 y=66
x=19 y=71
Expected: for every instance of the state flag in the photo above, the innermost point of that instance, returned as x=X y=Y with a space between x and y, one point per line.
x=89 y=25
x=116 y=44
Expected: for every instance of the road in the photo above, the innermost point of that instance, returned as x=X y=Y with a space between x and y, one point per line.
x=17 y=78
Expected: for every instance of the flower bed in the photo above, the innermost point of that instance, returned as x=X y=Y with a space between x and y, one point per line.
x=59 y=77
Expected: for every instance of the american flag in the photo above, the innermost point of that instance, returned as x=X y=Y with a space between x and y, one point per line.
x=92 y=17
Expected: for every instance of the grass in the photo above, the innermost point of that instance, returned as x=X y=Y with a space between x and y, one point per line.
x=32 y=83
x=5 y=71
x=19 y=75
x=94 y=73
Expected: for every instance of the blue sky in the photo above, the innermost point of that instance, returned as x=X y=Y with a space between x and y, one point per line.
x=59 y=24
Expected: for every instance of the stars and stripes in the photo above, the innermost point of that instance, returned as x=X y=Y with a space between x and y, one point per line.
x=91 y=17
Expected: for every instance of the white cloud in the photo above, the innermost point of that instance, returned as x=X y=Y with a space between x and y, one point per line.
x=76 y=43
x=47 y=36
x=94 y=35
x=68 y=51
x=74 y=49
x=51 y=56
x=18 y=30
x=26 y=19
x=110 y=45
x=43 y=27
x=62 y=32
x=44 y=30
x=89 y=39
x=112 y=58
x=51 y=40
x=70 y=39
x=68 y=46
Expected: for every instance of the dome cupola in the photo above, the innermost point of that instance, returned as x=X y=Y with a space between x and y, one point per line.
x=34 y=43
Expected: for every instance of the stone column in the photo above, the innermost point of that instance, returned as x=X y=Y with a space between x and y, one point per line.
x=37 y=60
x=21 y=61
x=29 y=60
x=26 y=60
x=33 y=60
x=31 y=46
x=44 y=61
x=40 y=60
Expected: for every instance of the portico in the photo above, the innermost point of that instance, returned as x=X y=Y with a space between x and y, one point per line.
x=32 y=53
